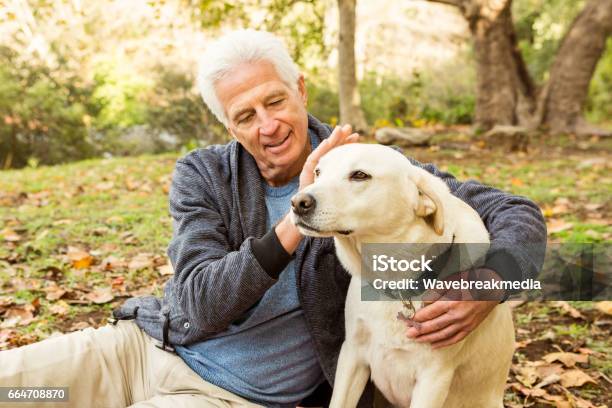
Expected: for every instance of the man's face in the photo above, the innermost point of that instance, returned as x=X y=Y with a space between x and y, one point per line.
x=268 y=118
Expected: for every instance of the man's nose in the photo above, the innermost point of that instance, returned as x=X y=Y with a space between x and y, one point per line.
x=303 y=203
x=268 y=126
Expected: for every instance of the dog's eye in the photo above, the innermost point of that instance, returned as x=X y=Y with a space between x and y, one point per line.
x=317 y=172
x=359 y=176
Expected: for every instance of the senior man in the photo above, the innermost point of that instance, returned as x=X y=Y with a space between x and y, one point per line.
x=254 y=312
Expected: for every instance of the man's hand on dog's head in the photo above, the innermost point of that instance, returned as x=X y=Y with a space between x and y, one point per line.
x=340 y=136
x=287 y=233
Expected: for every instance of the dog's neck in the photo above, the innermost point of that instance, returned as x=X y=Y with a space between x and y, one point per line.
x=349 y=247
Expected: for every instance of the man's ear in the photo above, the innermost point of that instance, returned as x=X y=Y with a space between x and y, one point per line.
x=231 y=132
x=301 y=83
x=429 y=205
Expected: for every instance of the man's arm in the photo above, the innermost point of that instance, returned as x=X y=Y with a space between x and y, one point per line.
x=515 y=224
x=215 y=284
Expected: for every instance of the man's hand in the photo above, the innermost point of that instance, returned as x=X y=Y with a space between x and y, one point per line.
x=287 y=233
x=446 y=322
x=449 y=317
x=340 y=136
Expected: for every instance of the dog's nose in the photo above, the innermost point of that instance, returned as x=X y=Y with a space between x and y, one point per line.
x=303 y=203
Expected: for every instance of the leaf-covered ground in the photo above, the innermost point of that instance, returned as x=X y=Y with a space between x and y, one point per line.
x=77 y=240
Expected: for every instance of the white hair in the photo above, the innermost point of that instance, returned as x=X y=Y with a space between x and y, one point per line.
x=239 y=47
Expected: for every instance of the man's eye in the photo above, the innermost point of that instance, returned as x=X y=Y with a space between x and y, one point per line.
x=317 y=172
x=276 y=102
x=245 y=119
x=359 y=175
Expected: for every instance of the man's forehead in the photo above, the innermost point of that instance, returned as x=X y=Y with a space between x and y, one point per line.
x=247 y=81
x=260 y=93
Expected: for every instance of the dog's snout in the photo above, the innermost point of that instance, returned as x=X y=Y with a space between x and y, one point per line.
x=303 y=203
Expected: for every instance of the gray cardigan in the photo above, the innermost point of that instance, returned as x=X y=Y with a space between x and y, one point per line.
x=217 y=203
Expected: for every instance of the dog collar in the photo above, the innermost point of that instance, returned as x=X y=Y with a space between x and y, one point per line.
x=437 y=267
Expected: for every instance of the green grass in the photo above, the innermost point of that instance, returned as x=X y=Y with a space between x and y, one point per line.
x=118 y=207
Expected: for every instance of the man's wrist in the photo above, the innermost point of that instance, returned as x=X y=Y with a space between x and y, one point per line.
x=488 y=274
x=288 y=234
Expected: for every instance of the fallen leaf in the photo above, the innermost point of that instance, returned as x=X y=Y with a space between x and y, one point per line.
x=528 y=392
x=522 y=344
x=100 y=295
x=5 y=337
x=129 y=238
x=557 y=225
x=117 y=282
x=111 y=263
x=52 y=273
x=568 y=359
x=54 y=292
x=18 y=316
x=561 y=206
x=575 y=378
x=554 y=398
x=99 y=231
x=166 y=269
x=104 y=186
x=545 y=370
x=527 y=375
x=10 y=235
x=604 y=306
x=59 y=308
x=132 y=184
x=115 y=219
x=569 y=309
x=78 y=326
x=516 y=182
x=547 y=211
x=550 y=379
x=141 y=261
x=80 y=259
x=582 y=403
x=548 y=335
x=592 y=206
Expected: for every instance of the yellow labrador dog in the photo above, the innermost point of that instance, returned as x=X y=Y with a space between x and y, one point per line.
x=373 y=194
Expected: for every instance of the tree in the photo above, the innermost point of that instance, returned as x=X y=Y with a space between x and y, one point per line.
x=350 y=100
x=506 y=94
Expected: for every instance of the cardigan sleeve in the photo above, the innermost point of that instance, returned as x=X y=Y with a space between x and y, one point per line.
x=515 y=224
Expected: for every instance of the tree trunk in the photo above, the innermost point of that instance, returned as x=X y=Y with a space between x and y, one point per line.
x=506 y=94
x=504 y=89
x=350 y=101
x=574 y=65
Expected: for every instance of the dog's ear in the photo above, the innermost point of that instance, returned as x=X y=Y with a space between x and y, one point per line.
x=429 y=205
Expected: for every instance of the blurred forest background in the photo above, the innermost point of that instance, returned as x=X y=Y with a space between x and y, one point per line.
x=88 y=79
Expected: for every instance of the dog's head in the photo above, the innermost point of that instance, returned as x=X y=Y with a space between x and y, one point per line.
x=367 y=190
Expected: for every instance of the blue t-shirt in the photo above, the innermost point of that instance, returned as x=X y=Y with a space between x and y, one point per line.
x=267 y=356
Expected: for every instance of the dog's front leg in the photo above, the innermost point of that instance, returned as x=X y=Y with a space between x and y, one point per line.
x=431 y=388
x=351 y=377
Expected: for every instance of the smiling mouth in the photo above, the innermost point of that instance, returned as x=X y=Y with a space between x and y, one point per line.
x=281 y=142
x=313 y=229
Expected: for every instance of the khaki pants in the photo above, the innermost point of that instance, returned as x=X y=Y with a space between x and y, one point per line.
x=113 y=366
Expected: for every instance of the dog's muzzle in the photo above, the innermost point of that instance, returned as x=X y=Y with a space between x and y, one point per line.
x=303 y=204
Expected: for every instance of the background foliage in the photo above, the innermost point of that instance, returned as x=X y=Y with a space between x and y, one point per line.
x=83 y=82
